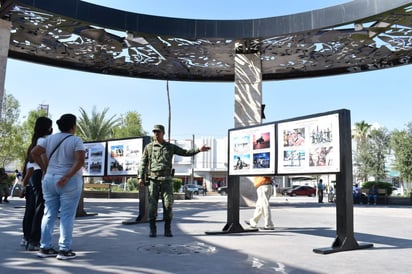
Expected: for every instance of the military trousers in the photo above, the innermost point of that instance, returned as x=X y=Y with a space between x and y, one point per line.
x=163 y=189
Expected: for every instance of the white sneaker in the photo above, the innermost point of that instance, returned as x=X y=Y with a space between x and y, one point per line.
x=248 y=223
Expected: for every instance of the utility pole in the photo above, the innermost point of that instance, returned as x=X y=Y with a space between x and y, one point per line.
x=193 y=161
x=45 y=107
x=170 y=109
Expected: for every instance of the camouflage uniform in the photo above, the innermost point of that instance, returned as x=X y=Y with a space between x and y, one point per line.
x=160 y=156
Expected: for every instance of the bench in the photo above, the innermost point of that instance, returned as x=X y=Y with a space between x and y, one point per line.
x=382 y=195
x=107 y=187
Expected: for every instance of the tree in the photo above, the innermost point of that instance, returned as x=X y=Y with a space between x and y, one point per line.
x=378 y=148
x=28 y=129
x=10 y=132
x=96 y=127
x=401 y=144
x=130 y=125
x=362 y=156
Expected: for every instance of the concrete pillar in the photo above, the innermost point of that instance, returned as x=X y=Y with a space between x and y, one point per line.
x=5 y=27
x=248 y=104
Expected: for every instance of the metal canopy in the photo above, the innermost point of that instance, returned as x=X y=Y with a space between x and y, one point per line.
x=357 y=36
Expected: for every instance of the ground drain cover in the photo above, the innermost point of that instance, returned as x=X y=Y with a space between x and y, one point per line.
x=178 y=249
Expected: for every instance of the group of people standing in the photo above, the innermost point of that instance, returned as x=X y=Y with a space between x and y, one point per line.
x=52 y=183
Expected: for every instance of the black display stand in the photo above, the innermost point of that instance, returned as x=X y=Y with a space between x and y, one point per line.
x=233 y=201
x=143 y=205
x=345 y=239
x=81 y=212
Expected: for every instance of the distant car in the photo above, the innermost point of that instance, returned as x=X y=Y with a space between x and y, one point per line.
x=362 y=198
x=302 y=191
x=284 y=191
x=222 y=190
x=196 y=189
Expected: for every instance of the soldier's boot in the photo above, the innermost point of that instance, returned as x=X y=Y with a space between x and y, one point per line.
x=168 y=231
x=152 y=229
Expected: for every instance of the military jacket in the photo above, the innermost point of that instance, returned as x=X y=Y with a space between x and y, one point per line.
x=160 y=156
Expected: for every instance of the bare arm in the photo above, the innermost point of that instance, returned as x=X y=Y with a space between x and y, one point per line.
x=38 y=153
x=27 y=176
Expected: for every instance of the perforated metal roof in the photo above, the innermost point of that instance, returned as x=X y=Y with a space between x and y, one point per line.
x=357 y=36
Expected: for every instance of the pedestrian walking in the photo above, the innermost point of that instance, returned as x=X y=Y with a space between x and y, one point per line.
x=264 y=190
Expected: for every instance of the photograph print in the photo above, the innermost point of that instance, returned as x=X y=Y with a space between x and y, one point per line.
x=124 y=156
x=261 y=160
x=94 y=159
x=261 y=140
x=309 y=145
x=293 y=158
x=294 y=137
x=251 y=150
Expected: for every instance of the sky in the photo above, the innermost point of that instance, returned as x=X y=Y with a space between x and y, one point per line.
x=207 y=109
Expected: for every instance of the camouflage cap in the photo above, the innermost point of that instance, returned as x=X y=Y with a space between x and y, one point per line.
x=159 y=128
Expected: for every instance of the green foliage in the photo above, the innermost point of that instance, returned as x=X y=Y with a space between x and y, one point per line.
x=117 y=188
x=130 y=125
x=401 y=144
x=378 y=149
x=177 y=184
x=372 y=149
x=132 y=184
x=379 y=184
x=362 y=156
x=10 y=132
x=96 y=127
x=28 y=130
x=11 y=178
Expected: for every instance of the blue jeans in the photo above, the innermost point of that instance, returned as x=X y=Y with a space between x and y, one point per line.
x=372 y=196
x=64 y=198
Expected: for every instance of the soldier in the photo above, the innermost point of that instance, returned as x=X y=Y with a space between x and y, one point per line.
x=156 y=171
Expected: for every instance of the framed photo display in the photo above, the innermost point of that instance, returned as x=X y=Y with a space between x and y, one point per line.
x=252 y=150
x=309 y=145
x=124 y=156
x=95 y=159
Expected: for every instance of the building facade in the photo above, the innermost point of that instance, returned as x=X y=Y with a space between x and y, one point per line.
x=206 y=168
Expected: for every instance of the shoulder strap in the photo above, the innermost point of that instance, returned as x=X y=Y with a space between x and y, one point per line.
x=51 y=154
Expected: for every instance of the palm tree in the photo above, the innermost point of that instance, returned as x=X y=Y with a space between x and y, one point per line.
x=361 y=133
x=361 y=136
x=96 y=127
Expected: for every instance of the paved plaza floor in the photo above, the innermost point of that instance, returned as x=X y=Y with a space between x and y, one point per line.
x=104 y=245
